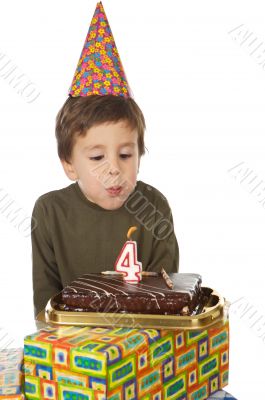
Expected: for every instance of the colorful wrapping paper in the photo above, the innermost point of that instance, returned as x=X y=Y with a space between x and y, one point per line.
x=11 y=377
x=99 y=69
x=125 y=364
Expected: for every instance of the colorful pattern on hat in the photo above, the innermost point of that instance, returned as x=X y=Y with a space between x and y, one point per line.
x=99 y=70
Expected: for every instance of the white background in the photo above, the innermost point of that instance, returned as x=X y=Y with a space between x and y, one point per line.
x=202 y=93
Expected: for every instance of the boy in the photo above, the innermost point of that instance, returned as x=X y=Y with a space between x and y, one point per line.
x=82 y=228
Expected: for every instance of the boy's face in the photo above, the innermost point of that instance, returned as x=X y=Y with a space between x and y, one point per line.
x=107 y=156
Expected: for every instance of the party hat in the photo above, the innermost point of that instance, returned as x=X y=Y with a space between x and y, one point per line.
x=99 y=69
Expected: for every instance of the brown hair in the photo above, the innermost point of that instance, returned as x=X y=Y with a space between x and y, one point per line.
x=81 y=113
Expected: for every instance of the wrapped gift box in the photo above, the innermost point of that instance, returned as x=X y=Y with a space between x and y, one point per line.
x=222 y=395
x=11 y=377
x=124 y=363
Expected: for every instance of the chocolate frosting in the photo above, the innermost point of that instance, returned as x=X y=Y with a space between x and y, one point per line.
x=110 y=293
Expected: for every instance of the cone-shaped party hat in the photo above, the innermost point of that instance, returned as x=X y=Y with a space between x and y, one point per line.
x=99 y=70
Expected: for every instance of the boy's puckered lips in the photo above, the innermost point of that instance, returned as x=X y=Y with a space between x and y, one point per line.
x=114 y=190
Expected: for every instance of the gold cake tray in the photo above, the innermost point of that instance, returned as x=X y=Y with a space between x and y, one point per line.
x=213 y=313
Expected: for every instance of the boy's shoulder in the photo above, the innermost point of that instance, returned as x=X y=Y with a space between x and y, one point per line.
x=151 y=193
x=59 y=195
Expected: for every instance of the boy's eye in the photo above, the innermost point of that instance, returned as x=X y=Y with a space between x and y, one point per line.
x=125 y=155
x=98 y=158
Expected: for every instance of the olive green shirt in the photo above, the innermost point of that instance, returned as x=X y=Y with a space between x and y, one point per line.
x=72 y=236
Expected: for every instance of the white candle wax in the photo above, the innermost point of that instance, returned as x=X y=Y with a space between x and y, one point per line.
x=127 y=263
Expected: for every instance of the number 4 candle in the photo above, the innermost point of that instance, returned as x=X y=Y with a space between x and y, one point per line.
x=127 y=260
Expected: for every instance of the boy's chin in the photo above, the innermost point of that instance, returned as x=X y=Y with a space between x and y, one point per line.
x=114 y=203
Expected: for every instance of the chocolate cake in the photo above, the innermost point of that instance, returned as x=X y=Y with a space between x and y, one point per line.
x=110 y=293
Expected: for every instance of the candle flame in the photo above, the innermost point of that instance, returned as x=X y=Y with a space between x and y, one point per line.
x=130 y=231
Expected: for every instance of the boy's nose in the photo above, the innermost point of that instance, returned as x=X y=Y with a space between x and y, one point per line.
x=114 y=167
x=114 y=171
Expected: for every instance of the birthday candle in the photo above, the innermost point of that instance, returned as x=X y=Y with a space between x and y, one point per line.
x=127 y=262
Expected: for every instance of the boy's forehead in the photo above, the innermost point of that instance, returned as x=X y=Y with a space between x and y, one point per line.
x=102 y=135
x=101 y=146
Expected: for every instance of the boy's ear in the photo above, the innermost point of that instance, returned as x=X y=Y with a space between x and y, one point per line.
x=139 y=164
x=69 y=170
